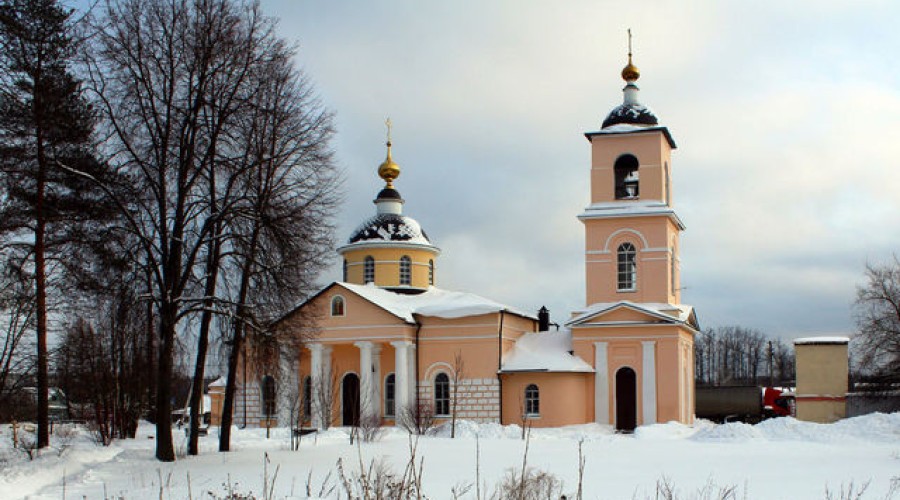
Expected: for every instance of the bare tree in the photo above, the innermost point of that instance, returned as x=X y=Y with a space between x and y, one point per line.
x=281 y=232
x=739 y=355
x=418 y=418
x=459 y=368
x=181 y=84
x=17 y=321
x=151 y=71
x=325 y=387
x=877 y=311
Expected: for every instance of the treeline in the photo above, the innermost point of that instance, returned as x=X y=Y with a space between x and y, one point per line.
x=733 y=355
x=168 y=184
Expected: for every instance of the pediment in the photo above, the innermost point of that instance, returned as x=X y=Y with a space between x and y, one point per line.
x=359 y=310
x=629 y=313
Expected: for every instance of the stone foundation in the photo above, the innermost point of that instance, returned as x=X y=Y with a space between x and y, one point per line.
x=478 y=399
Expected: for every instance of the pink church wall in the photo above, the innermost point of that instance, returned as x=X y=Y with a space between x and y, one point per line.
x=653 y=154
x=561 y=399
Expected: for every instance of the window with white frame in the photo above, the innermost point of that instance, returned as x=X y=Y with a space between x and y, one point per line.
x=337 y=306
x=390 y=395
x=442 y=395
x=369 y=269
x=532 y=401
x=627 y=267
x=405 y=270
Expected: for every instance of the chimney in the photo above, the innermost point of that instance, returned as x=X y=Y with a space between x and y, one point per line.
x=543 y=319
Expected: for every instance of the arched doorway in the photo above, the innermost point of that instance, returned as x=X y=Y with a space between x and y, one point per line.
x=626 y=400
x=350 y=400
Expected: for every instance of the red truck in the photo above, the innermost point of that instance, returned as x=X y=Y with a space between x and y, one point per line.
x=744 y=403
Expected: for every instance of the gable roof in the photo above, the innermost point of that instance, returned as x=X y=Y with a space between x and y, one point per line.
x=434 y=302
x=543 y=352
x=662 y=312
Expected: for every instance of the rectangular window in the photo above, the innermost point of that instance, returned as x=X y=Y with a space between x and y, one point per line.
x=389 y=396
x=532 y=401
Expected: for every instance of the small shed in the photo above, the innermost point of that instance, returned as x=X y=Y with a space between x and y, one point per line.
x=822 y=378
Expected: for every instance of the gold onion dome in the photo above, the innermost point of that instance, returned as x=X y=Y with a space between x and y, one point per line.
x=388 y=170
x=630 y=72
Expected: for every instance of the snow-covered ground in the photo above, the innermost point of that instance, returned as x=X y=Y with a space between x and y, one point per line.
x=777 y=459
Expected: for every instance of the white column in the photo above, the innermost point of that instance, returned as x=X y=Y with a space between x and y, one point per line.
x=401 y=376
x=601 y=384
x=315 y=372
x=376 y=380
x=411 y=372
x=365 y=378
x=649 y=382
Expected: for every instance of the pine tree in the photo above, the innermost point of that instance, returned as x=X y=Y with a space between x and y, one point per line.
x=46 y=128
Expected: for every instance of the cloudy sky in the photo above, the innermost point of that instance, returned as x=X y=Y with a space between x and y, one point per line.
x=786 y=116
x=787 y=172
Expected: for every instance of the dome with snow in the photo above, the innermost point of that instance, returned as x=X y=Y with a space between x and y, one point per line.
x=390 y=227
x=631 y=114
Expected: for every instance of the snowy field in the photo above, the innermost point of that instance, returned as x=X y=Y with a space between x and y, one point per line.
x=777 y=459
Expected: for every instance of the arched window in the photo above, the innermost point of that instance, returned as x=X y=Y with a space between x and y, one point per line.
x=442 y=395
x=532 y=401
x=431 y=271
x=345 y=270
x=390 y=395
x=337 y=306
x=268 y=396
x=626 y=170
x=627 y=275
x=405 y=270
x=369 y=269
x=307 y=397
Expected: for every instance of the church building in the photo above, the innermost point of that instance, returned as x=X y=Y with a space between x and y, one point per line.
x=387 y=344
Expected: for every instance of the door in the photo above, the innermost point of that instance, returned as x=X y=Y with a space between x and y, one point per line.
x=626 y=400
x=350 y=400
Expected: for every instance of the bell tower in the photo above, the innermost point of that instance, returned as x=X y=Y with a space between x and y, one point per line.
x=631 y=228
x=633 y=328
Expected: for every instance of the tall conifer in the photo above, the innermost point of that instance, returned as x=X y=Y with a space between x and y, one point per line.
x=46 y=129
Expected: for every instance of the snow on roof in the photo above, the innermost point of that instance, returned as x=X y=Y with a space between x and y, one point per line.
x=630 y=209
x=434 y=302
x=822 y=340
x=620 y=128
x=629 y=128
x=219 y=382
x=390 y=228
x=678 y=312
x=543 y=351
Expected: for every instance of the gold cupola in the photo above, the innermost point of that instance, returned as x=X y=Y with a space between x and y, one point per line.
x=631 y=112
x=630 y=73
x=390 y=250
x=388 y=170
